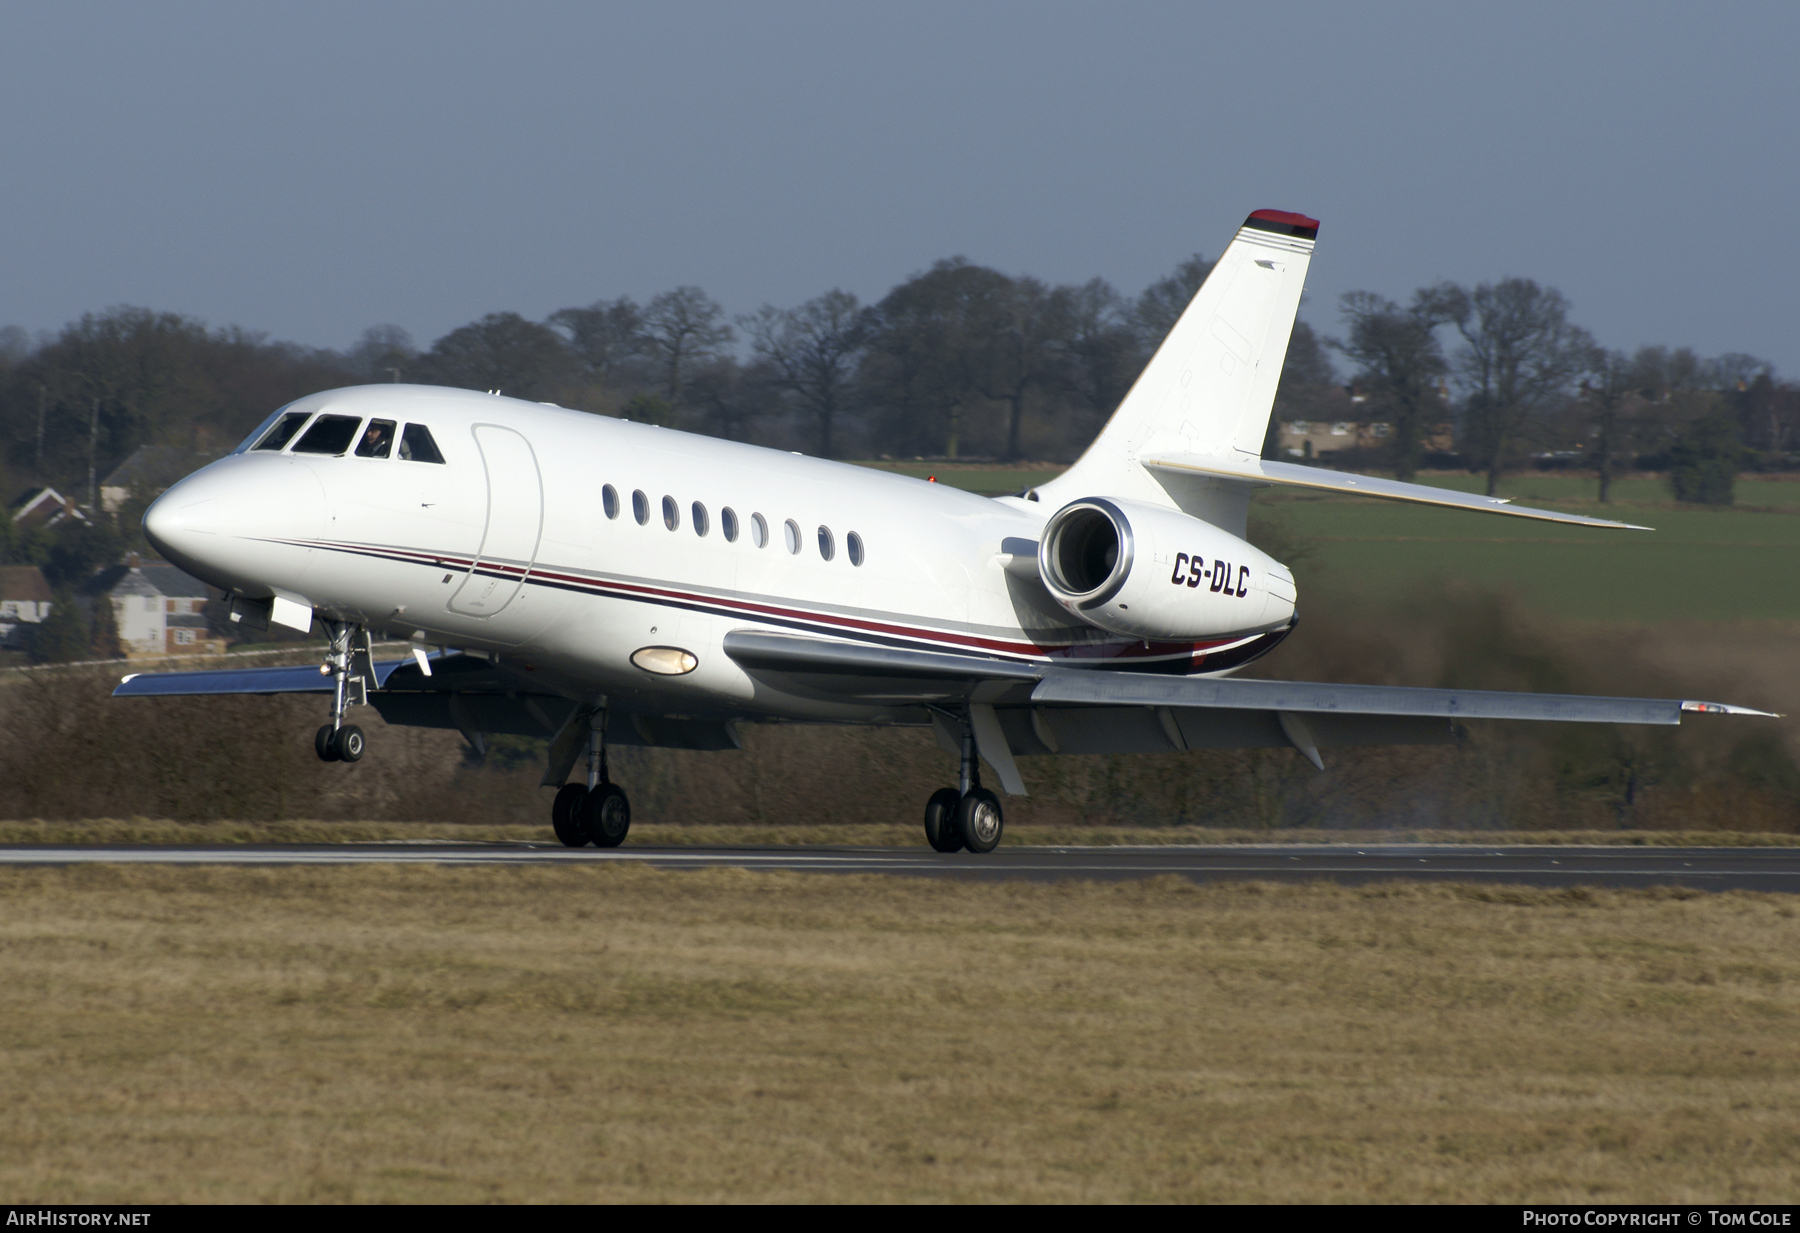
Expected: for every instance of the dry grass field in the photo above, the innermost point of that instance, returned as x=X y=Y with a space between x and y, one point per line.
x=422 y=1034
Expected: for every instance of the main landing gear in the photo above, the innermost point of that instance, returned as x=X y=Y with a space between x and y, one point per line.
x=968 y=815
x=345 y=662
x=597 y=811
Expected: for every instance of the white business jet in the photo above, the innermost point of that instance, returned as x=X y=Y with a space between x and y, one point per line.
x=607 y=582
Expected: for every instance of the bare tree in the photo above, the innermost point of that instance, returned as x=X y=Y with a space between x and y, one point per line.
x=1399 y=361
x=606 y=336
x=1611 y=383
x=1520 y=355
x=684 y=330
x=1014 y=328
x=1097 y=348
x=1156 y=311
x=502 y=351
x=383 y=353
x=811 y=353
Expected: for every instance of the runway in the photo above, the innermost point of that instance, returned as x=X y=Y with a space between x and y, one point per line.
x=1713 y=869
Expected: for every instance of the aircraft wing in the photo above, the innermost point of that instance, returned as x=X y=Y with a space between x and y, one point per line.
x=1291 y=475
x=857 y=669
x=305 y=679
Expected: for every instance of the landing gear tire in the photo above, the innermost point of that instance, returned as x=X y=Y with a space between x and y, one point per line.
x=348 y=744
x=325 y=744
x=979 y=821
x=940 y=821
x=565 y=816
x=606 y=814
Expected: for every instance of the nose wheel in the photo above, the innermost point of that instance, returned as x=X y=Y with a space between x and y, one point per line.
x=350 y=664
x=343 y=744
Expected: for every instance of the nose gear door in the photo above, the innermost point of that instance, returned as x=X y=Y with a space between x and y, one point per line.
x=515 y=521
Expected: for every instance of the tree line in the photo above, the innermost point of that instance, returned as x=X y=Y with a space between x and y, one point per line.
x=958 y=361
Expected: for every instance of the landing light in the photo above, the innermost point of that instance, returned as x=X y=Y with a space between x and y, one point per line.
x=665 y=660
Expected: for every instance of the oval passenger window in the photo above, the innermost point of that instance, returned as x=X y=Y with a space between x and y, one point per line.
x=671 y=513
x=640 y=507
x=853 y=545
x=759 y=530
x=702 y=524
x=609 y=500
x=827 y=545
x=728 y=524
x=791 y=531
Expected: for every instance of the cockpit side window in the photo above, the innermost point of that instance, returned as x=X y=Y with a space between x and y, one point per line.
x=377 y=440
x=416 y=445
x=329 y=434
x=283 y=432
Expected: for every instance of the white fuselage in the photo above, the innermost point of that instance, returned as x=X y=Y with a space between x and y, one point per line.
x=506 y=546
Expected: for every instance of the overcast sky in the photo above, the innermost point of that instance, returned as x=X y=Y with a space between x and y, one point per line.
x=310 y=170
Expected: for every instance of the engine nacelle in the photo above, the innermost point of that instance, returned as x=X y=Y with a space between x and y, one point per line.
x=1150 y=572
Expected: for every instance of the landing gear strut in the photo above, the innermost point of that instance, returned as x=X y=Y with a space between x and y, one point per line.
x=596 y=812
x=968 y=815
x=345 y=662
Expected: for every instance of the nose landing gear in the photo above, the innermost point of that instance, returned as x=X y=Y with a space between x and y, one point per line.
x=597 y=812
x=968 y=815
x=350 y=664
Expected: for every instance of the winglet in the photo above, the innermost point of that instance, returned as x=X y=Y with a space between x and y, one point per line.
x=1720 y=708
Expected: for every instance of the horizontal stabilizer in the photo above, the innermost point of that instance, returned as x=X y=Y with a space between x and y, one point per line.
x=1292 y=475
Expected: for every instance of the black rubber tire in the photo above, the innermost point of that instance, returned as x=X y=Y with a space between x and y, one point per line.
x=979 y=821
x=607 y=815
x=324 y=745
x=940 y=821
x=348 y=744
x=566 y=817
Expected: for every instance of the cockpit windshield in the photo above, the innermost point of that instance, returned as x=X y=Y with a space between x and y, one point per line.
x=283 y=432
x=329 y=434
x=377 y=441
x=416 y=445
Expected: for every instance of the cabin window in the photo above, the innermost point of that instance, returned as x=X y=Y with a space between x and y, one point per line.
x=283 y=432
x=377 y=440
x=759 y=530
x=640 y=507
x=702 y=524
x=416 y=445
x=728 y=526
x=671 y=513
x=329 y=434
x=791 y=532
x=827 y=545
x=609 y=501
x=853 y=546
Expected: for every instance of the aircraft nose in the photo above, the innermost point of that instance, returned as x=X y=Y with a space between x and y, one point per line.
x=217 y=523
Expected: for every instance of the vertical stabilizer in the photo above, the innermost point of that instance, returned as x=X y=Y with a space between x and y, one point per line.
x=1210 y=387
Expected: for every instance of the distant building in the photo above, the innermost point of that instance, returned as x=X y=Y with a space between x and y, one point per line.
x=157 y=609
x=24 y=600
x=1316 y=438
x=151 y=469
x=43 y=507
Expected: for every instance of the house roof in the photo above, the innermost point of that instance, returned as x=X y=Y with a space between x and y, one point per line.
x=23 y=583
x=156 y=467
x=43 y=507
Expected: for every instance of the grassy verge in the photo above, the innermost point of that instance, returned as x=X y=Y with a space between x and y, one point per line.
x=154 y=831
x=546 y=1034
